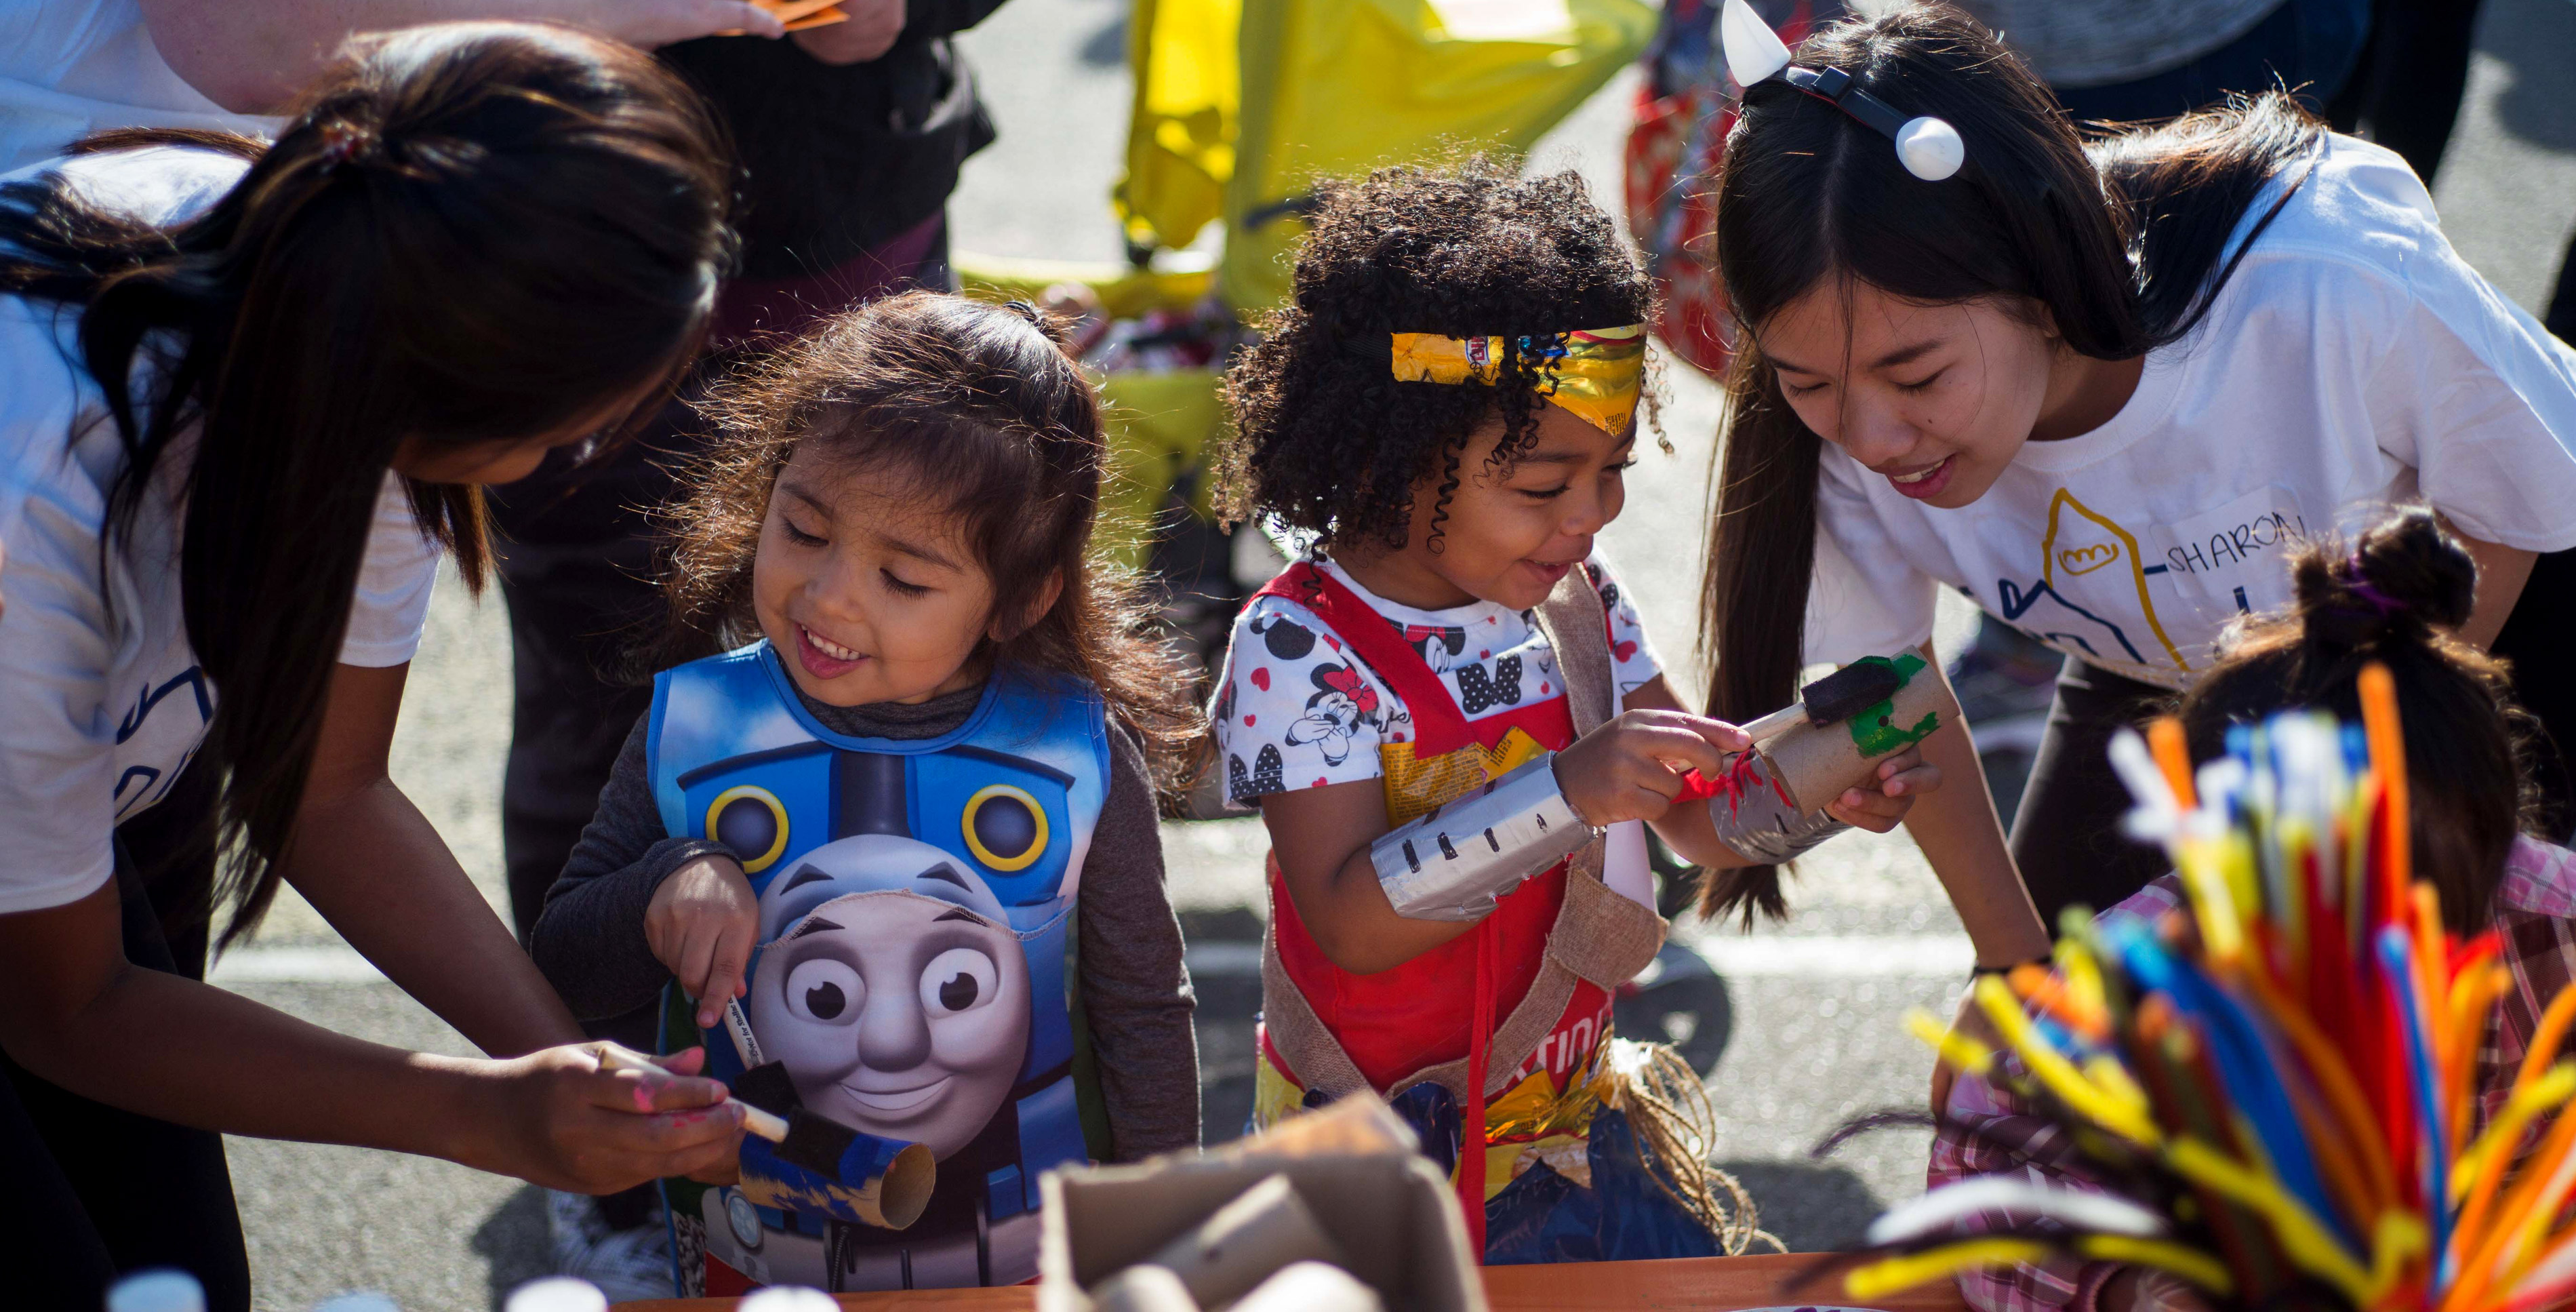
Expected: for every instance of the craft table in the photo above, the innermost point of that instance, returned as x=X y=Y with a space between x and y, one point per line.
x=1713 y=1284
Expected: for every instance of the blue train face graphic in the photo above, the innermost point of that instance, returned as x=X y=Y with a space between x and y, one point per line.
x=899 y=1000
x=911 y=974
x=913 y=927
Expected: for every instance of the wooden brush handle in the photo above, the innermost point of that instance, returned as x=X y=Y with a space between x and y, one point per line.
x=765 y=1124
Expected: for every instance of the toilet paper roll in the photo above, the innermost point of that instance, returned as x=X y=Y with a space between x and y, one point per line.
x=1265 y=1228
x=1814 y=763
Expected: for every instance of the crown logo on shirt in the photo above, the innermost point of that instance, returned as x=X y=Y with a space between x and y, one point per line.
x=2086 y=559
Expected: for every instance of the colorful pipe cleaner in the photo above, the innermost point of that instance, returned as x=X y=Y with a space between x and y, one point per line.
x=2278 y=1084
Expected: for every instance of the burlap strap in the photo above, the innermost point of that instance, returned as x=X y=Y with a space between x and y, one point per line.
x=1578 y=629
x=1599 y=935
x=1312 y=1054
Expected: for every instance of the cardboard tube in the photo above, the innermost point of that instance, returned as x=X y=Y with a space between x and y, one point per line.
x=872 y=1181
x=1265 y=1228
x=1815 y=763
x=1311 y=1287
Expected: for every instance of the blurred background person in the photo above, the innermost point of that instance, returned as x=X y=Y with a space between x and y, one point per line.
x=2128 y=60
x=72 y=67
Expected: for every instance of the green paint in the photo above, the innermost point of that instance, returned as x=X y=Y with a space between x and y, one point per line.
x=1871 y=730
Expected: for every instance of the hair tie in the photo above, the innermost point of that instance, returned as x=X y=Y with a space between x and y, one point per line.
x=1028 y=310
x=342 y=141
x=2358 y=584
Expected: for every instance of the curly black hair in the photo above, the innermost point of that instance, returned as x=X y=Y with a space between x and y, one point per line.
x=1325 y=439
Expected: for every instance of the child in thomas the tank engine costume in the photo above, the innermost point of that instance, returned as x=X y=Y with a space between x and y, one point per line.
x=893 y=826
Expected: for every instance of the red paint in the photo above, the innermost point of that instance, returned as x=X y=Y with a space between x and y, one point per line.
x=1744 y=775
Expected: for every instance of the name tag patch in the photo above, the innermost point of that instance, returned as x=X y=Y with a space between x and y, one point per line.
x=2234 y=560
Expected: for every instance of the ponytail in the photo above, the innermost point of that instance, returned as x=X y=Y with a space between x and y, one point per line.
x=471 y=234
x=2396 y=597
x=1761 y=553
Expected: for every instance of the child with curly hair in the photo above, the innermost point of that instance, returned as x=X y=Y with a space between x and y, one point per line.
x=906 y=820
x=1453 y=722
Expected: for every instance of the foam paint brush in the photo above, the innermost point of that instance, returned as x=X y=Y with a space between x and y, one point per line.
x=755 y=1120
x=1832 y=699
x=800 y=1160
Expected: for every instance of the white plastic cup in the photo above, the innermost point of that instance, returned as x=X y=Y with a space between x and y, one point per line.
x=787 y=1298
x=165 y=1289
x=556 y=1294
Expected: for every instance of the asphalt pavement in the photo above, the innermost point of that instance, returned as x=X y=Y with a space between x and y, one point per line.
x=1798 y=1025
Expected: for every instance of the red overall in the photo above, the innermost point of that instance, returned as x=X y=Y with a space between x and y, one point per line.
x=1443 y=1004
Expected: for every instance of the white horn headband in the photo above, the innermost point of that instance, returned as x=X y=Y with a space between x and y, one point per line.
x=1929 y=147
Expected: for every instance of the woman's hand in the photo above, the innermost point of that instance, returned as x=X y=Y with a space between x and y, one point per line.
x=873 y=27
x=702 y=924
x=556 y=1118
x=1631 y=767
x=1972 y=1023
x=1899 y=779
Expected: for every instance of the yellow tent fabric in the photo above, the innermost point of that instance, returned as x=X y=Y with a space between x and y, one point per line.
x=1240 y=104
x=1181 y=128
x=1336 y=87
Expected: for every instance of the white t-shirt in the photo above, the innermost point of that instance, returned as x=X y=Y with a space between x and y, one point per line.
x=72 y=67
x=101 y=698
x=1295 y=710
x=2353 y=361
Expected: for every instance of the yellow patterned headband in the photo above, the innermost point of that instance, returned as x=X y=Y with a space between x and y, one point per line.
x=1596 y=373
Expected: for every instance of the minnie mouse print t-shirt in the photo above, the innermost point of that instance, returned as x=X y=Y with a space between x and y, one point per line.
x=1295 y=710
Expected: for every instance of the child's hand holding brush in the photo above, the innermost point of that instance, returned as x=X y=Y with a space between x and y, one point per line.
x=701 y=925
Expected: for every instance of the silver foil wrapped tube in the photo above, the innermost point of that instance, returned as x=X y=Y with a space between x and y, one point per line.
x=1760 y=826
x=1452 y=863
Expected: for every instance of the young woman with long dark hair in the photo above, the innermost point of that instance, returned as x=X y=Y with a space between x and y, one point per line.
x=249 y=397
x=2101 y=390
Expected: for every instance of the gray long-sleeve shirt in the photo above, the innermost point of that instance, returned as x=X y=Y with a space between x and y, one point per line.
x=1136 y=995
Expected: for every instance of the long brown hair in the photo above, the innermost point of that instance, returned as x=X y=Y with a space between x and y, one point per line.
x=2396 y=596
x=2121 y=245
x=469 y=233
x=980 y=409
